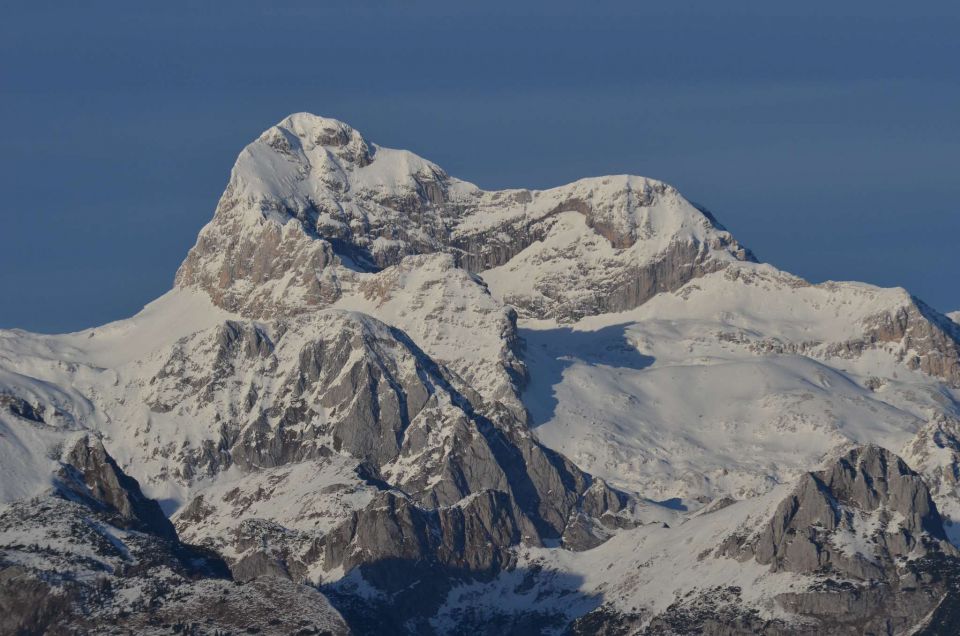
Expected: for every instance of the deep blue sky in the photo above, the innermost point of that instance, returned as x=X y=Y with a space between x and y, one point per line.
x=825 y=136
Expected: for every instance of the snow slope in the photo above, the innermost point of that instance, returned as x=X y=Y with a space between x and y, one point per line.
x=311 y=202
x=728 y=386
x=354 y=317
x=642 y=570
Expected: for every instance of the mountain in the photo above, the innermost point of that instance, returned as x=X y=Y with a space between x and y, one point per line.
x=379 y=399
x=311 y=202
x=92 y=554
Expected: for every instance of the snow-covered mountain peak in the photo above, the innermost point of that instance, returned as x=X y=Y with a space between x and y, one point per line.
x=312 y=132
x=324 y=131
x=304 y=155
x=311 y=205
x=368 y=370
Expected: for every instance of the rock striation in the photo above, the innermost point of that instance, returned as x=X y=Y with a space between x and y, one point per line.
x=302 y=215
x=869 y=532
x=444 y=460
x=358 y=388
x=868 y=490
x=95 y=556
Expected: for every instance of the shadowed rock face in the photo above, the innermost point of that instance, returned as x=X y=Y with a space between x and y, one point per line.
x=868 y=483
x=92 y=474
x=462 y=481
x=868 y=533
x=474 y=536
x=96 y=556
x=310 y=202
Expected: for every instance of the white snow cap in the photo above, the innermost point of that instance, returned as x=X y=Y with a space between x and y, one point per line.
x=324 y=131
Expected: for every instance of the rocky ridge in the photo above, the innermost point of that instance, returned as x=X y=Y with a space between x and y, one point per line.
x=366 y=370
x=859 y=544
x=310 y=203
x=340 y=383
x=312 y=207
x=94 y=555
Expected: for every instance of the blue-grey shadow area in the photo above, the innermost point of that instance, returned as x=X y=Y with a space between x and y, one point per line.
x=169 y=505
x=550 y=352
x=403 y=597
x=674 y=503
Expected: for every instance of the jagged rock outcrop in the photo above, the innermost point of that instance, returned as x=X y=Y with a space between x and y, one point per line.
x=935 y=452
x=867 y=528
x=96 y=556
x=90 y=473
x=475 y=535
x=310 y=202
x=333 y=394
x=574 y=272
x=868 y=490
x=916 y=335
x=928 y=341
x=857 y=547
x=298 y=393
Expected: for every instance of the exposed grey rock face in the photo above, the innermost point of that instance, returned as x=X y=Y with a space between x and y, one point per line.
x=571 y=293
x=935 y=452
x=256 y=565
x=474 y=536
x=462 y=479
x=305 y=219
x=251 y=262
x=928 y=340
x=91 y=474
x=332 y=206
x=918 y=336
x=867 y=482
x=92 y=557
x=355 y=424
x=924 y=340
x=864 y=543
x=867 y=526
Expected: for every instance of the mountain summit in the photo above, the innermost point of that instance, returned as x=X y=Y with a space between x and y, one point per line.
x=311 y=201
x=379 y=399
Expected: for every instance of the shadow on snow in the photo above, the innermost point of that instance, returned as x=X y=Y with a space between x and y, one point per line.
x=550 y=352
x=406 y=597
